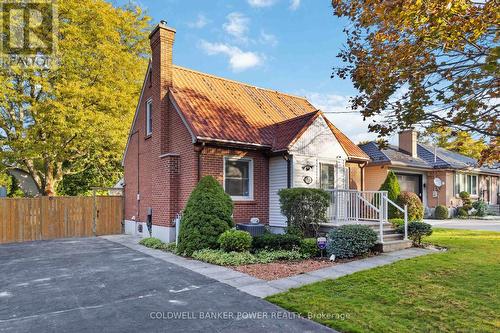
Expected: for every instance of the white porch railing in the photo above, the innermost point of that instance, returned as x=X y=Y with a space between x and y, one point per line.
x=352 y=206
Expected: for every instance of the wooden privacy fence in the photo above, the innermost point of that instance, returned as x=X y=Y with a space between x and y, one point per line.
x=29 y=219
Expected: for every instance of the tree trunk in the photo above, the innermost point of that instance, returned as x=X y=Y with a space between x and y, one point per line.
x=52 y=178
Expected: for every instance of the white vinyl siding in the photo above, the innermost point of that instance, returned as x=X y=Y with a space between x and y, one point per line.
x=277 y=181
x=316 y=146
x=307 y=166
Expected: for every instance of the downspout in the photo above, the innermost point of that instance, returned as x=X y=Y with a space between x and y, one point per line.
x=286 y=157
x=138 y=177
x=199 y=149
x=362 y=167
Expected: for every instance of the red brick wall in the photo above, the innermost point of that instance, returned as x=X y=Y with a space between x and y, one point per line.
x=213 y=164
x=165 y=164
x=445 y=194
x=175 y=174
x=141 y=161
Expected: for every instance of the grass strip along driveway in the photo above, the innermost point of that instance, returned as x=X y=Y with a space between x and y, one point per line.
x=452 y=291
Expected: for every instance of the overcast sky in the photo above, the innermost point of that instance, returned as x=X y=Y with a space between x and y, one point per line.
x=286 y=45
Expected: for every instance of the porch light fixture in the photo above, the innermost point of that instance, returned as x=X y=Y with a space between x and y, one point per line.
x=307 y=167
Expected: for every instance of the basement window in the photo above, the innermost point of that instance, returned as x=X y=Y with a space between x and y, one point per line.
x=149 y=117
x=238 y=177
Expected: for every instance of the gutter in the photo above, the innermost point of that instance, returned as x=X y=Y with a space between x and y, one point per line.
x=203 y=139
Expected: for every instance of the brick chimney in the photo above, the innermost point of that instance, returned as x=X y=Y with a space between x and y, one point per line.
x=408 y=142
x=165 y=164
x=162 y=41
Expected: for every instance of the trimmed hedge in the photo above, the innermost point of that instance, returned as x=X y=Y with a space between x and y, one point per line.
x=152 y=242
x=461 y=212
x=397 y=222
x=235 y=240
x=206 y=216
x=304 y=208
x=391 y=185
x=441 y=212
x=481 y=207
x=466 y=201
x=351 y=240
x=417 y=230
x=309 y=247
x=271 y=241
x=415 y=206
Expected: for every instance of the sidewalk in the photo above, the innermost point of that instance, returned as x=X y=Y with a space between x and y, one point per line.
x=263 y=288
x=468 y=224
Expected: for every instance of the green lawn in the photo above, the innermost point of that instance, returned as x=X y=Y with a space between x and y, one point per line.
x=453 y=291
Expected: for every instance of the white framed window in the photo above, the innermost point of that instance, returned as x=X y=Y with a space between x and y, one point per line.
x=149 y=117
x=327 y=176
x=466 y=182
x=238 y=177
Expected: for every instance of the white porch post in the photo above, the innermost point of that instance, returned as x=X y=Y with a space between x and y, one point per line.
x=406 y=222
x=381 y=216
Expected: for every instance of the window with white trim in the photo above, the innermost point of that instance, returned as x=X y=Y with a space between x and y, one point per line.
x=149 y=117
x=466 y=182
x=238 y=177
x=327 y=176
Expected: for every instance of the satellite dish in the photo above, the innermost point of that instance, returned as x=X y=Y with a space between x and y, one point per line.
x=438 y=182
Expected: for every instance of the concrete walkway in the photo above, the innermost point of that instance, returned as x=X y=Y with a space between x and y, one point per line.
x=263 y=288
x=470 y=224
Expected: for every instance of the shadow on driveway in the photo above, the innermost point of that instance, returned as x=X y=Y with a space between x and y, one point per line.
x=91 y=285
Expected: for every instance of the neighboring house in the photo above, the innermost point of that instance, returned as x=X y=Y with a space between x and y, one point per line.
x=25 y=181
x=117 y=189
x=420 y=168
x=254 y=141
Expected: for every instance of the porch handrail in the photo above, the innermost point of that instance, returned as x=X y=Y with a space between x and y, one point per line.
x=395 y=205
x=368 y=203
x=349 y=206
x=405 y=215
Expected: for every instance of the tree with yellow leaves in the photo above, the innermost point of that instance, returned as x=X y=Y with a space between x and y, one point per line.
x=66 y=119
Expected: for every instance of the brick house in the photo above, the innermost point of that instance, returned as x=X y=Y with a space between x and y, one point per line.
x=254 y=141
x=418 y=165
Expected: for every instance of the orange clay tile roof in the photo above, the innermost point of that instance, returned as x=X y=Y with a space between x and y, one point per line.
x=220 y=109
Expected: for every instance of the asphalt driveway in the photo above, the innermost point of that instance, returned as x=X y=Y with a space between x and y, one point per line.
x=94 y=285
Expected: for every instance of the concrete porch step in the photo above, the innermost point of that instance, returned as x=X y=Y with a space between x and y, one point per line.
x=326 y=227
x=389 y=231
x=389 y=246
x=392 y=237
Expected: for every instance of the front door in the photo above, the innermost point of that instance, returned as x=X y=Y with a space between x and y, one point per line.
x=410 y=183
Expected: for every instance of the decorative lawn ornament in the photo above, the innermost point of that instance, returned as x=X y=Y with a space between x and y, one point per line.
x=321 y=242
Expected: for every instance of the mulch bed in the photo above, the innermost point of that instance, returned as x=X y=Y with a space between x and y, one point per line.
x=281 y=269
